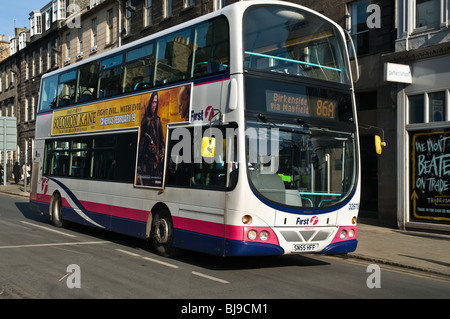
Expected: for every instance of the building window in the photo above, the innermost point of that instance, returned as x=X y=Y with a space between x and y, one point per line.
x=48 y=19
x=428 y=107
x=110 y=27
x=38 y=24
x=57 y=52
x=416 y=109
x=80 y=42
x=41 y=57
x=33 y=65
x=62 y=9
x=219 y=4
x=436 y=106
x=49 y=57
x=22 y=40
x=147 y=13
x=32 y=107
x=358 y=26
x=59 y=9
x=94 y=35
x=167 y=8
x=188 y=3
x=26 y=110
x=128 y=15
x=27 y=67
x=67 y=47
x=427 y=13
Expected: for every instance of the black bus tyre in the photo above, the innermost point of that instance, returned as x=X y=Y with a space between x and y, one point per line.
x=162 y=230
x=56 y=211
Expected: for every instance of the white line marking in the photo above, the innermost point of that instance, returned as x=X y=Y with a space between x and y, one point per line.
x=49 y=229
x=128 y=253
x=210 y=277
x=160 y=262
x=57 y=244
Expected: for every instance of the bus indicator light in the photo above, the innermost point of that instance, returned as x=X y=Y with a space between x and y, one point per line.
x=247 y=219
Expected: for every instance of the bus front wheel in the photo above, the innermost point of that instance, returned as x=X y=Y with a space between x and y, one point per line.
x=163 y=233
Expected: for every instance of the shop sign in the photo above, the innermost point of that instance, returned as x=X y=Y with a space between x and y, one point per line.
x=394 y=72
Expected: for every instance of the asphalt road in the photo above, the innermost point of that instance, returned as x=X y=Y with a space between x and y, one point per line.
x=40 y=261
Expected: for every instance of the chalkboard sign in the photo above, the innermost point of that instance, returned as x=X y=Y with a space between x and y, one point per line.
x=430 y=175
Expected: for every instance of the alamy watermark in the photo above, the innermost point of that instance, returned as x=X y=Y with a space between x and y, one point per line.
x=374 y=279
x=74 y=20
x=374 y=18
x=73 y=276
x=263 y=146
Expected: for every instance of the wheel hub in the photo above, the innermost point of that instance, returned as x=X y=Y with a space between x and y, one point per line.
x=162 y=231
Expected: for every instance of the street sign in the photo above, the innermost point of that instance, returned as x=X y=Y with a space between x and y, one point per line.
x=8 y=133
x=8 y=138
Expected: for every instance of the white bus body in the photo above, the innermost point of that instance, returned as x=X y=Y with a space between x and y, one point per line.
x=255 y=208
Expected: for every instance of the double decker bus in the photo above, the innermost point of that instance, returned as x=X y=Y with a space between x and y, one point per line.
x=232 y=134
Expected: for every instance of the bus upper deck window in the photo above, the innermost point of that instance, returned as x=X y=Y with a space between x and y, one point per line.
x=111 y=76
x=88 y=82
x=139 y=67
x=66 y=88
x=173 y=54
x=212 y=53
x=48 y=93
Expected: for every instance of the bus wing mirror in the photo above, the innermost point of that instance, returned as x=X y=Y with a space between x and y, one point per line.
x=379 y=144
x=208 y=146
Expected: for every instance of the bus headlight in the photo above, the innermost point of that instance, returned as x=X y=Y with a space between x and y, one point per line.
x=252 y=234
x=264 y=235
x=351 y=233
x=343 y=234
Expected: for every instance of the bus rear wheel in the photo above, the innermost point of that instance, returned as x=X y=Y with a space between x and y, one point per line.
x=162 y=230
x=56 y=211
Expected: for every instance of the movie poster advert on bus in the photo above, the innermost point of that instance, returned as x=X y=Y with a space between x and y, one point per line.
x=114 y=114
x=430 y=176
x=158 y=109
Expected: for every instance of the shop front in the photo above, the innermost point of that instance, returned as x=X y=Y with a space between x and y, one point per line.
x=423 y=145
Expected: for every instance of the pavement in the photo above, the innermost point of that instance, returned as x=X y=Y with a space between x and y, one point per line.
x=423 y=251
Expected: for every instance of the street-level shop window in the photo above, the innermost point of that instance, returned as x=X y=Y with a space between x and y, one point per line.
x=416 y=109
x=437 y=109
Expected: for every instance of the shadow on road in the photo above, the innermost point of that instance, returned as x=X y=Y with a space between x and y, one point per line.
x=194 y=258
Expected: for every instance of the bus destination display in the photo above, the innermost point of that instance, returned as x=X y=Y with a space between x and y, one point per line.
x=300 y=105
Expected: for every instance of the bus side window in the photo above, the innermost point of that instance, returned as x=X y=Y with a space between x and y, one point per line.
x=87 y=82
x=139 y=69
x=111 y=76
x=173 y=54
x=57 y=158
x=48 y=93
x=66 y=88
x=212 y=51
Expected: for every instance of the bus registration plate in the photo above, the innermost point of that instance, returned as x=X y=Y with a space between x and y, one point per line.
x=304 y=247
